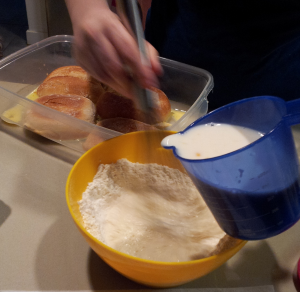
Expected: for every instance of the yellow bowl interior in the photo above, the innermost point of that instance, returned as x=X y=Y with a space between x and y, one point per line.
x=142 y=147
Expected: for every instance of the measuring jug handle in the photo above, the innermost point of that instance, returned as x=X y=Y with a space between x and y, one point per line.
x=293 y=112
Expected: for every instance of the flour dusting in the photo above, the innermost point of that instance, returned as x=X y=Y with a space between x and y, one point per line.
x=149 y=211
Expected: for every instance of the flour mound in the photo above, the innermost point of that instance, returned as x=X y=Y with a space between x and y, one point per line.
x=149 y=211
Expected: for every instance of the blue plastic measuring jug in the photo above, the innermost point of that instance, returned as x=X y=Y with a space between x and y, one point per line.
x=253 y=192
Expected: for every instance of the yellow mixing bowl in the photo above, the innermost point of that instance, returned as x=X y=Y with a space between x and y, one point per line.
x=136 y=147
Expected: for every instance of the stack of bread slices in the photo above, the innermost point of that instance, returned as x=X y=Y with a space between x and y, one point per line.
x=71 y=90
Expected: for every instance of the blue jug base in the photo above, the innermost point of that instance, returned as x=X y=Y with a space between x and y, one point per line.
x=266 y=235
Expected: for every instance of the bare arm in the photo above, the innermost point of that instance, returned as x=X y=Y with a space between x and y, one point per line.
x=103 y=46
x=145 y=5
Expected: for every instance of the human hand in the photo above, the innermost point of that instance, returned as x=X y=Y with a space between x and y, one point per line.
x=104 y=47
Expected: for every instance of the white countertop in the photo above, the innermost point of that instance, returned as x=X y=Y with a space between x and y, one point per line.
x=42 y=250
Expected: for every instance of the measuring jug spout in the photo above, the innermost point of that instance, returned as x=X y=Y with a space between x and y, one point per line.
x=293 y=112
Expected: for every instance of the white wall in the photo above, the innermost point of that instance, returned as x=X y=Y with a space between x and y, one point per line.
x=37 y=21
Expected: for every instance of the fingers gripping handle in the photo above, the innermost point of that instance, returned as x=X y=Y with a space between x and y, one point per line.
x=130 y=16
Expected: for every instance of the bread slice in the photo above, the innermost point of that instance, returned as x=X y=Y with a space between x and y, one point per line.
x=39 y=121
x=71 y=71
x=161 y=104
x=113 y=105
x=89 y=88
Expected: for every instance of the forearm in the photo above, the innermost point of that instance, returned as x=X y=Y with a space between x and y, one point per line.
x=105 y=48
x=77 y=7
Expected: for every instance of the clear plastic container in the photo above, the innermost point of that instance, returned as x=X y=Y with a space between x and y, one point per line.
x=187 y=88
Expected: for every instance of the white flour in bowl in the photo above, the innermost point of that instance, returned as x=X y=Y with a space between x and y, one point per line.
x=149 y=211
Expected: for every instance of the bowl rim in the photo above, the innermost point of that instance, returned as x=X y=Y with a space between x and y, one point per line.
x=238 y=246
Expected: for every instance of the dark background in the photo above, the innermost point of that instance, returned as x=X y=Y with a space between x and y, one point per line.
x=13 y=26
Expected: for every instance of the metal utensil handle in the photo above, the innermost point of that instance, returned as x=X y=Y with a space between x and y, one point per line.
x=129 y=9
